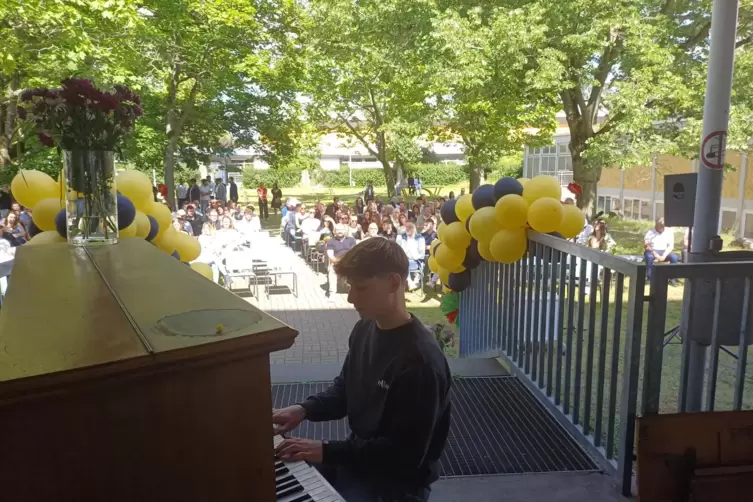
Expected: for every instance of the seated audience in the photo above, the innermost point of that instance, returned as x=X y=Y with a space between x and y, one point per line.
x=340 y=244
x=415 y=248
x=15 y=228
x=659 y=244
x=600 y=238
x=388 y=229
x=354 y=229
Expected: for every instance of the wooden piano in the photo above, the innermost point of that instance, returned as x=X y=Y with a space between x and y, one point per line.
x=126 y=376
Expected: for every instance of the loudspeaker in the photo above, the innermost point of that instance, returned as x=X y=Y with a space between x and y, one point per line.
x=679 y=199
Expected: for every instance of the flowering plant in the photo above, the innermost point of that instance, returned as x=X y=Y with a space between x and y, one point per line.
x=78 y=116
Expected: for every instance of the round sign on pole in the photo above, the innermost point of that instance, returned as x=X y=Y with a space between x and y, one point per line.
x=713 y=149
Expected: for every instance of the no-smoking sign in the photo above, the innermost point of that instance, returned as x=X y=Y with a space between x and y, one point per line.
x=713 y=150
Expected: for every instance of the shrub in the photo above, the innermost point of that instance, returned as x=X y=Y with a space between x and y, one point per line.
x=438 y=174
x=341 y=177
x=284 y=177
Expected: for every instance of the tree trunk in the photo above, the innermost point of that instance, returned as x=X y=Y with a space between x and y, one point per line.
x=389 y=178
x=588 y=180
x=8 y=121
x=477 y=176
x=169 y=167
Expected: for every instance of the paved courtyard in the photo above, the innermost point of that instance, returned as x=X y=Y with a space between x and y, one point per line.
x=324 y=326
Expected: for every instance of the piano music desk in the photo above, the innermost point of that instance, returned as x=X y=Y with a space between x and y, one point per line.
x=116 y=386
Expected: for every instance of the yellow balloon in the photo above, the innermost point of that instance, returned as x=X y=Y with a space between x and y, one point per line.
x=440 y=231
x=508 y=246
x=523 y=181
x=433 y=265
x=29 y=187
x=449 y=258
x=542 y=186
x=433 y=246
x=512 y=211
x=166 y=240
x=484 y=251
x=129 y=231
x=484 y=224
x=45 y=211
x=143 y=225
x=464 y=207
x=136 y=186
x=162 y=214
x=48 y=237
x=546 y=215
x=187 y=247
x=444 y=275
x=455 y=236
x=573 y=222
x=456 y=269
x=203 y=269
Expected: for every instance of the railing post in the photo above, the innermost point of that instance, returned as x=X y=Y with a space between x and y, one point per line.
x=657 y=313
x=632 y=361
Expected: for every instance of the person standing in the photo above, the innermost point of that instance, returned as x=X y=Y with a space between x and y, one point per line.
x=220 y=191
x=393 y=386
x=233 y=190
x=276 y=197
x=194 y=193
x=261 y=193
x=182 y=192
x=205 y=191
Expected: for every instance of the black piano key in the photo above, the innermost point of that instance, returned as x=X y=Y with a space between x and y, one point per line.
x=281 y=487
x=284 y=480
x=303 y=498
x=289 y=492
x=281 y=471
x=279 y=464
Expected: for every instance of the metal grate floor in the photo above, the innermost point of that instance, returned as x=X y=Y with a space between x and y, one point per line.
x=498 y=427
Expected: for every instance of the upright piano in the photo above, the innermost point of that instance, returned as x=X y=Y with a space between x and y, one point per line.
x=127 y=376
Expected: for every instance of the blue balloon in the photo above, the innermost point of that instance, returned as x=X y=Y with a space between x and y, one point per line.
x=507 y=186
x=126 y=212
x=154 y=229
x=175 y=255
x=33 y=229
x=483 y=196
x=61 y=224
x=468 y=225
x=448 y=212
x=459 y=282
x=472 y=258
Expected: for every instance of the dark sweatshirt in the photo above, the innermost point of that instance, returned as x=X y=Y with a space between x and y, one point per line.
x=394 y=388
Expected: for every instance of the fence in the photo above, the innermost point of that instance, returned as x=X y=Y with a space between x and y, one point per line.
x=569 y=321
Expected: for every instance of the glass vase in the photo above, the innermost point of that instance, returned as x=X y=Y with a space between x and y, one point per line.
x=91 y=197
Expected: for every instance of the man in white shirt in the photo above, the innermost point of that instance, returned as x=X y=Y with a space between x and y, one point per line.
x=182 y=195
x=414 y=246
x=658 y=244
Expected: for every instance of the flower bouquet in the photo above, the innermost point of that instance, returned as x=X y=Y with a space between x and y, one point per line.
x=88 y=125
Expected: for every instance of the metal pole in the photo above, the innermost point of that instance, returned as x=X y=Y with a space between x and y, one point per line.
x=653 y=188
x=708 y=198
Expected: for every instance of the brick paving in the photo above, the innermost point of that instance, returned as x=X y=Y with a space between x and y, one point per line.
x=324 y=326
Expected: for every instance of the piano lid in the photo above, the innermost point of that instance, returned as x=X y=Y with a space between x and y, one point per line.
x=111 y=308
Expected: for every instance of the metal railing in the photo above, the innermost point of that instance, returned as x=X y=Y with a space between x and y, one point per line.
x=569 y=322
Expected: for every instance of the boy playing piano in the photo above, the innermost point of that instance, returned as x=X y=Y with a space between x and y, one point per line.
x=393 y=387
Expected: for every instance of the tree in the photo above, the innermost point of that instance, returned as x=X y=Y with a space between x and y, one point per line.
x=46 y=41
x=213 y=67
x=619 y=69
x=366 y=72
x=483 y=89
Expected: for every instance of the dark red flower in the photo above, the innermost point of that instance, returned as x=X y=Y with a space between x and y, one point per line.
x=46 y=139
x=27 y=94
x=21 y=112
x=138 y=111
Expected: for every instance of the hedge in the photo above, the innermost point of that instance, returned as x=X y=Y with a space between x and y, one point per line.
x=438 y=174
x=341 y=177
x=285 y=178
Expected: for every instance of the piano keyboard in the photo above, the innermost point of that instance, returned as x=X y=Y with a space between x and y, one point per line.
x=299 y=482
